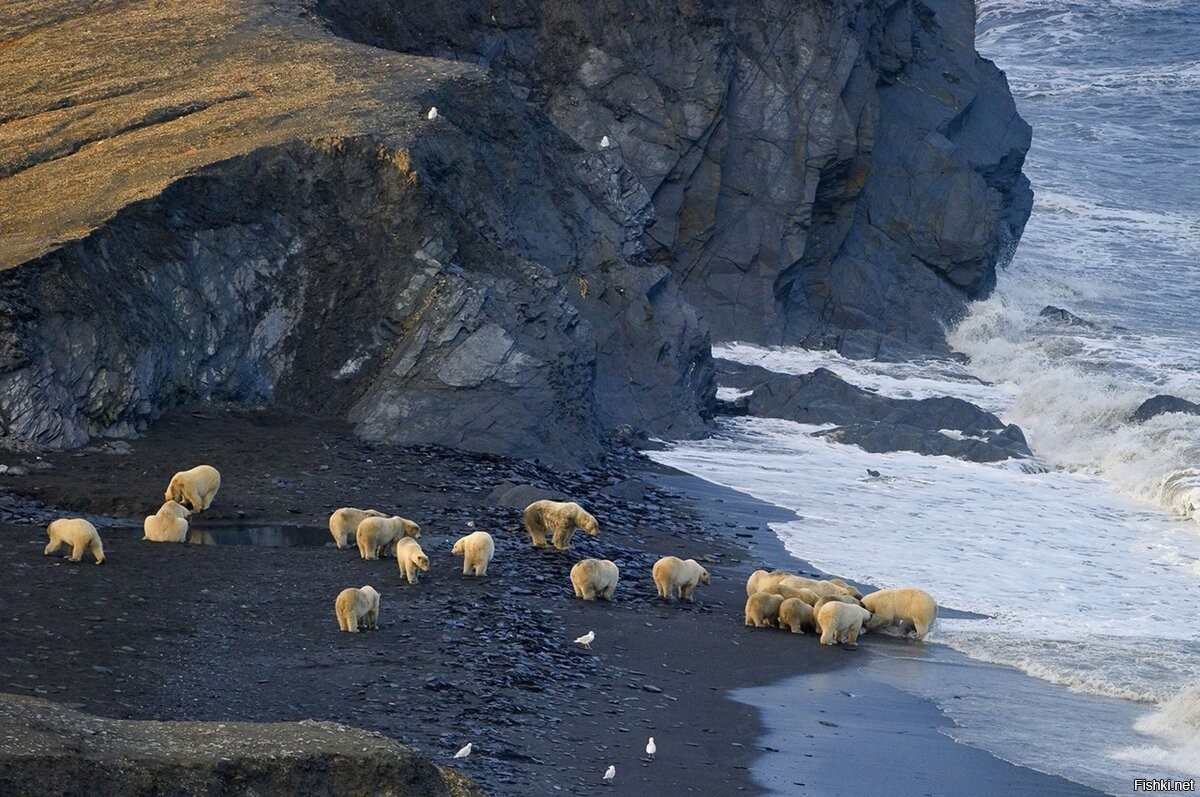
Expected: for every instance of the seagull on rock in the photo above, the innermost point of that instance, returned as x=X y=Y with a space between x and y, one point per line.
x=609 y=774
x=651 y=747
x=605 y=143
x=464 y=752
x=433 y=114
x=586 y=641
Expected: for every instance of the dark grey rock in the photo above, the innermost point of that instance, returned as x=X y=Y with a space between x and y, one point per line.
x=51 y=749
x=1163 y=404
x=882 y=438
x=1064 y=317
x=520 y=496
x=627 y=490
x=873 y=422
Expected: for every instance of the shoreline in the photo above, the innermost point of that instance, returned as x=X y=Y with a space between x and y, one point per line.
x=843 y=705
x=245 y=633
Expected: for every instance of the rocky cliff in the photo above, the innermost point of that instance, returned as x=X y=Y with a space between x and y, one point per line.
x=246 y=201
x=842 y=173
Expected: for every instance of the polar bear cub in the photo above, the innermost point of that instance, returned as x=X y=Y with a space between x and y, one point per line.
x=796 y=615
x=476 y=549
x=560 y=518
x=357 y=608
x=909 y=607
x=343 y=523
x=674 y=574
x=196 y=487
x=762 y=609
x=410 y=558
x=841 y=622
x=79 y=534
x=375 y=534
x=168 y=524
x=595 y=578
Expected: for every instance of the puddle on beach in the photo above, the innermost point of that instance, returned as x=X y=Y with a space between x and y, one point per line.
x=267 y=536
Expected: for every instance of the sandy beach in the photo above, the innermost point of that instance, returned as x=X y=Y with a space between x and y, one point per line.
x=247 y=632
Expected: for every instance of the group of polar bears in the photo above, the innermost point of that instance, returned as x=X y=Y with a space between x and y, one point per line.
x=829 y=607
x=357 y=608
x=374 y=532
x=188 y=493
x=196 y=488
x=597 y=578
x=832 y=608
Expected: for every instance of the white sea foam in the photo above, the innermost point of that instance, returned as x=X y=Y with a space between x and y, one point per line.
x=731 y=393
x=1074 y=395
x=1176 y=724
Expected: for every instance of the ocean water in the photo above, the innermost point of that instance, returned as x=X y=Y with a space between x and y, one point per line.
x=1088 y=566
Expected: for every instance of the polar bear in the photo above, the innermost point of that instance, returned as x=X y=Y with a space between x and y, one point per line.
x=804 y=593
x=841 y=622
x=476 y=549
x=357 y=608
x=595 y=578
x=790 y=584
x=824 y=599
x=79 y=534
x=796 y=615
x=168 y=524
x=410 y=558
x=343 y=523
x=196 y=487
x=850 y=588
x=375 y=534
x=672 y=573
x=560 y=518
x=909 y=607
x=762 y=609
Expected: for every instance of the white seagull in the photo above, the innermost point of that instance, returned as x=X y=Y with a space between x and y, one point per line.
x=433 y=114
x=464 y=752
x=609 y=774
x=586 y=641
x=651 y=748
x=605 y=143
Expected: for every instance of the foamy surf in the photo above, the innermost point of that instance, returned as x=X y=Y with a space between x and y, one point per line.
x=1176 y=723
x=1084 y=589
x=1074 y=394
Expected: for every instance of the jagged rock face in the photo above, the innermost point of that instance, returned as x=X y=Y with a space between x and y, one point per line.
x=841 y=173
x=391 y=304
x=275 y=218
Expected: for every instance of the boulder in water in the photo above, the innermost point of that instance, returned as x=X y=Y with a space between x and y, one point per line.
x=1064 y=317
x=1162 y=404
